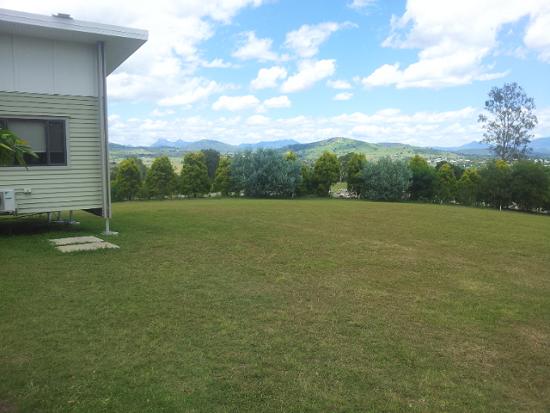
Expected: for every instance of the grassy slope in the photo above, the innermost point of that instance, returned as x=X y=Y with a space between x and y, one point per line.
x=295 y=306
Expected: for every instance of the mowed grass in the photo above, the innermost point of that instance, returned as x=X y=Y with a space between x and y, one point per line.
x=280 y=306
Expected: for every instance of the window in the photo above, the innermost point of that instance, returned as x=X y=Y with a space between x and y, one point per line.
x=46 y=137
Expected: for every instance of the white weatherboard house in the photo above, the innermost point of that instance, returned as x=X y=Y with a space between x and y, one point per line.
x=53 y=95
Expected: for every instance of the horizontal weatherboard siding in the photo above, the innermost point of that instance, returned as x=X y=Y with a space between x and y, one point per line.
x=58 y=188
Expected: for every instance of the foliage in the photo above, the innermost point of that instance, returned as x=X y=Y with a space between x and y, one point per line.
x=385 y=179
x=446 y=183
x=495 y=184
x=161 y=181
x=326 y=172
x=13 y=149
x=510 y=121
x=423 y=180
x=307 y=185
x=530 y=184
x=194 y=174
x=127 y=182
x=354 y=172
x=468 y=187
x=265 y=173
x=211 y=158
x=222 y=180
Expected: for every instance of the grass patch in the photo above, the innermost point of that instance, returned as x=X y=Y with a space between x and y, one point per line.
x=294 y=306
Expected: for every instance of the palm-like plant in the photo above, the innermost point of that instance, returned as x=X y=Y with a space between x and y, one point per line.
x=13 y=148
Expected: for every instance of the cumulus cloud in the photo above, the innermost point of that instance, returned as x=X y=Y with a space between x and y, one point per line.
x=305 y=41
x=254 y=48
x=309 y=73
x=339 y=84
x=277 y=102
x=268 y=77
x=444 y=128
x=343 y=96
x=361 y=4
x=454 y=39
x=236 y=103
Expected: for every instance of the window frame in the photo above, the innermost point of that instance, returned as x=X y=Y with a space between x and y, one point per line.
x=5 y=120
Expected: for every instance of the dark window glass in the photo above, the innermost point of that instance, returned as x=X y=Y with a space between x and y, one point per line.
x=56 y=142
x=46 y=138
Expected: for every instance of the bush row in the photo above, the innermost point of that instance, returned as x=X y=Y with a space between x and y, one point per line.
x=522 y=184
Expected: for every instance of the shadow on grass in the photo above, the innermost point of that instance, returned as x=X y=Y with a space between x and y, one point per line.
x=33 y=226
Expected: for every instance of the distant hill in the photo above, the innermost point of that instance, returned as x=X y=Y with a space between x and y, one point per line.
x=342 y=146
x=220 y=146
x=540 y=146
x=269 y=144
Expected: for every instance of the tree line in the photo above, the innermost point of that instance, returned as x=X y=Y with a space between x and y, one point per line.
x=265 y=173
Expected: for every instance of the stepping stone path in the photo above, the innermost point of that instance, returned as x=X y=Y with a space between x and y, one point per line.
x=73 y=244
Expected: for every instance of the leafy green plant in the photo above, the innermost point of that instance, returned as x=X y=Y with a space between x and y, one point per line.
x=13 y=149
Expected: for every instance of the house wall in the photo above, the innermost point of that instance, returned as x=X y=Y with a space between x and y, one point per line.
x=47 y=66
x=76 y=186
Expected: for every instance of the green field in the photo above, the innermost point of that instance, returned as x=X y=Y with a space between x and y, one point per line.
x=280 y=306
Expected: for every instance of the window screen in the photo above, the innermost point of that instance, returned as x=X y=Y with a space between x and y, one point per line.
x=45 y=137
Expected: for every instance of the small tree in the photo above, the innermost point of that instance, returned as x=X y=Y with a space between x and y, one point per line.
x=495 y=184
x=326 y=172
x=529 y=185
x=510 y=121
x=386 y=180
x=468 y=187
x=212 y=158
x=424 y=179
x=446 y=183
x=222 y=180
x=354 y=172
x=13 y=149
x=307 y=184
x=194 y=174
x=127 y=182
x=161 y=179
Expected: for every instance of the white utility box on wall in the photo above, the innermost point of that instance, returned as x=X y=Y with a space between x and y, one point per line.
x=7 y=201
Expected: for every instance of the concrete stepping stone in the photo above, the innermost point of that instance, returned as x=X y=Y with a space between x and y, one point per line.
x=73 y=244
x=90 y=246
x=75 y=240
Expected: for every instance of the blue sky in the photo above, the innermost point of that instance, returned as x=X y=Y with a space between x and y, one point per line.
x=415 y=71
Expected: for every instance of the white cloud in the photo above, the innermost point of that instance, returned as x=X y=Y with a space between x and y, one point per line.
x=339 y=84
x=305 y=41
x=343 y=96
x=217 y=64
x=236 y=103
x=361 y=4
x=192 y=92
x=277 y=102
x=253 y=48
x=176 y=31
x=446 y=128
x=454 y=39
x=309 y=73
x=268 y=78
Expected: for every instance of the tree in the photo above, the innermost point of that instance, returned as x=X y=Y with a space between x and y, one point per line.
x=468 y=187
x=354 y=172
x=385 y=180
x=265 y=173
x=222 y=180
x=194 y=174
x=423 y=181
x=127 y=183
x=161 y=179
x=307 y=183
x=495 y=184
x=510 y=121
x=529 y=185
x=446 y=183
x=13 y=149
x=212 y=158
x=326 y=172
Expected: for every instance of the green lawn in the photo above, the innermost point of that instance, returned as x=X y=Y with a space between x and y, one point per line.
x=280 y=306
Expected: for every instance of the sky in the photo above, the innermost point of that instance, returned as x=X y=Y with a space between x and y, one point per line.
x=243 y=71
